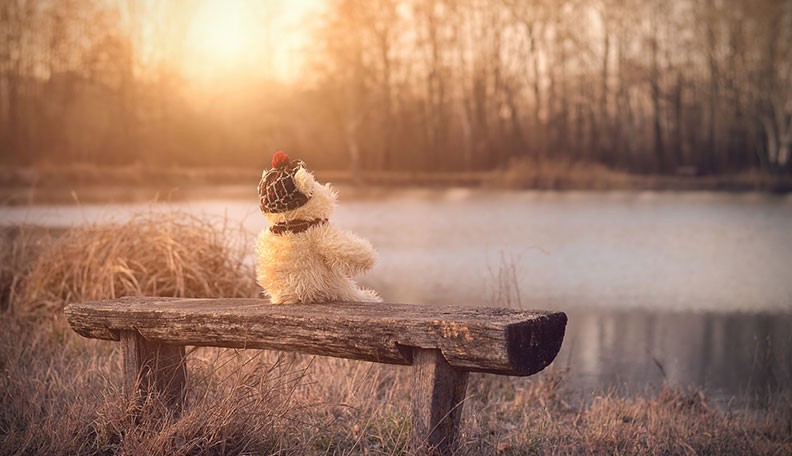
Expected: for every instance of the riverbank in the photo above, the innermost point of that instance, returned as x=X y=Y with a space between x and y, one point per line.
x=67 y=389
x=68 y=399
x=89 y=183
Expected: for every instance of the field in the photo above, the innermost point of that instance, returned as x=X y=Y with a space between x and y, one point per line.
x=60 y=393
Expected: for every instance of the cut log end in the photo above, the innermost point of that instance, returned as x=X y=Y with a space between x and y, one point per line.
x=442 y=344
x=533 y=345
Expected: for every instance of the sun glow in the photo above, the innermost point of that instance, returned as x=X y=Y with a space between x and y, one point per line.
x=221 y=34
x=244 y=37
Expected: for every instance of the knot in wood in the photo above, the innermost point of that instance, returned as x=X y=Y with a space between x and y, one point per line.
x=452 y=329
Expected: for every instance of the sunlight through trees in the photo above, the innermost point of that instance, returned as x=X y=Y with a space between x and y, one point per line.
x=690 y=87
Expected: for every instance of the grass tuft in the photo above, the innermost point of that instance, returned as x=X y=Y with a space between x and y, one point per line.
x=174 y=254
x=561 y=174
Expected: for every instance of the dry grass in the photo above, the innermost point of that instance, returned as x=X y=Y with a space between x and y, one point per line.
x=175 y=254
x=561 y=174
x=566 y=174
x=19 y=247
x=67 y=399
x=60 y=393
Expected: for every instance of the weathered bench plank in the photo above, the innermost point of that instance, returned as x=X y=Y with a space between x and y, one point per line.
x=442 y=344
x=499 y=341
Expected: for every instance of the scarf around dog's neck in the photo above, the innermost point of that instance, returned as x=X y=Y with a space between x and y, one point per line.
x=295 y=226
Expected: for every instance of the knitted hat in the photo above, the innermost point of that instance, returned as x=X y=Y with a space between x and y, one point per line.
x=277 y=189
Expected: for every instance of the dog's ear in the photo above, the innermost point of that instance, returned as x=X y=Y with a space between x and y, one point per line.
x=305 y=181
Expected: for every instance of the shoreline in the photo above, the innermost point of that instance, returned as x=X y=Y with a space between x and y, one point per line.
x=148 y=193
x=137 y=183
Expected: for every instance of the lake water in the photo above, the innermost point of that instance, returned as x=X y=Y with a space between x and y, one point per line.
x=690 y=288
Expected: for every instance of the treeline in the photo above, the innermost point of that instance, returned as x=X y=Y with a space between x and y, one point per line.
x=91 y=81
x=691 y=86
x=642 y=85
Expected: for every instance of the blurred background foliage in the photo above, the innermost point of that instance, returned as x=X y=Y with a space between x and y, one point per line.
x=683 y=87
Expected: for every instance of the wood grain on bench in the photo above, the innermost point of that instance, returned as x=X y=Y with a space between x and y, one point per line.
x=442 y=343
x=499 y=341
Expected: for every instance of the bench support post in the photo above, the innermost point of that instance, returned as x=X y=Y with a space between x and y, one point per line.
x=154 y=367
x=438 y=395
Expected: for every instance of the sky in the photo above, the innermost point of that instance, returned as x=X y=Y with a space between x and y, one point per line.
x=224 y=38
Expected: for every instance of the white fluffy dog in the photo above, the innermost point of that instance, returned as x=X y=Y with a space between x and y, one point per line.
x=301 y=257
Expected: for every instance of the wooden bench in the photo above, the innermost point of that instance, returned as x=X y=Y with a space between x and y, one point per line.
x=442 y=344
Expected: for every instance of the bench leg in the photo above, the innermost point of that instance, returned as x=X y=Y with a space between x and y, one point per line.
x=154 y=367
x=438 y=395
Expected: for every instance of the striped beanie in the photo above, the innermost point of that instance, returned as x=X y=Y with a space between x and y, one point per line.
x=277 y=190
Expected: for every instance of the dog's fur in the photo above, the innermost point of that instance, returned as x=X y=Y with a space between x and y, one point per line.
x=315 y=265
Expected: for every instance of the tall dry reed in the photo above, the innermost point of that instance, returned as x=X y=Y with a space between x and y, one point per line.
x=19 y=248
x=154 y=254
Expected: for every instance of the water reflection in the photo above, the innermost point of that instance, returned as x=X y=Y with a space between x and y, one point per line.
x=730 y=355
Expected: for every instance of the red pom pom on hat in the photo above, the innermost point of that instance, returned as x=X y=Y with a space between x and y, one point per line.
x=280 y=159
